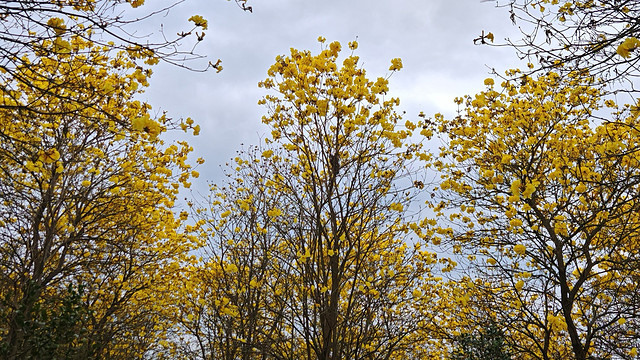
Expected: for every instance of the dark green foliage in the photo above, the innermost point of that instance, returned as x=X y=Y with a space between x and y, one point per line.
x=486 y=344
x=49 y=329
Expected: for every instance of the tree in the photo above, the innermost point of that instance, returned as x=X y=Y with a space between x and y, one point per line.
x=487 y=344
x=28 y=24
x=544 y=200
x=567 y=35
x=90 y=245
x=86 y=202
x=36 y=29
x=310 y=249
x=56 y=326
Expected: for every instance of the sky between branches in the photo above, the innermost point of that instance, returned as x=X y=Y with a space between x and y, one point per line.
x=434 y=38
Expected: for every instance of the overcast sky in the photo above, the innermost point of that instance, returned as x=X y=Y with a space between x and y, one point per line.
x=434 y=38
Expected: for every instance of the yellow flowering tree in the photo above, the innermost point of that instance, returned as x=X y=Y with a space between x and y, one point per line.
x=32 y=30
x=599 y=35
x=310 y=246
x=26 y=25
x=90 y=248
x=541 y=196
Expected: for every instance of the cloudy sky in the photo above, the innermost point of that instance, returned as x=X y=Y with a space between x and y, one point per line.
x=434 y=38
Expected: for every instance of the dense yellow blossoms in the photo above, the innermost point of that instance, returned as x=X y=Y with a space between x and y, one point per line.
x=309 y=249
x=311 y=253
x=87 y=190
x=536 y=183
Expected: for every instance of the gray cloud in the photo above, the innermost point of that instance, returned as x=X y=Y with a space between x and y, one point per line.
x=433 y=38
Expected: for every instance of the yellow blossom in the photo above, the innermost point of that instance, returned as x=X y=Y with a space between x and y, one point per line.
x=630 y=44
x=396 y=64
x=199 y=21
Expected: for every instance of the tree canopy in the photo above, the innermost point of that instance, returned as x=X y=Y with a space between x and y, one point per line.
x=310 y=252
x=598 y=36
x=506 y=230
x=546 y=210
x=90 y=243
